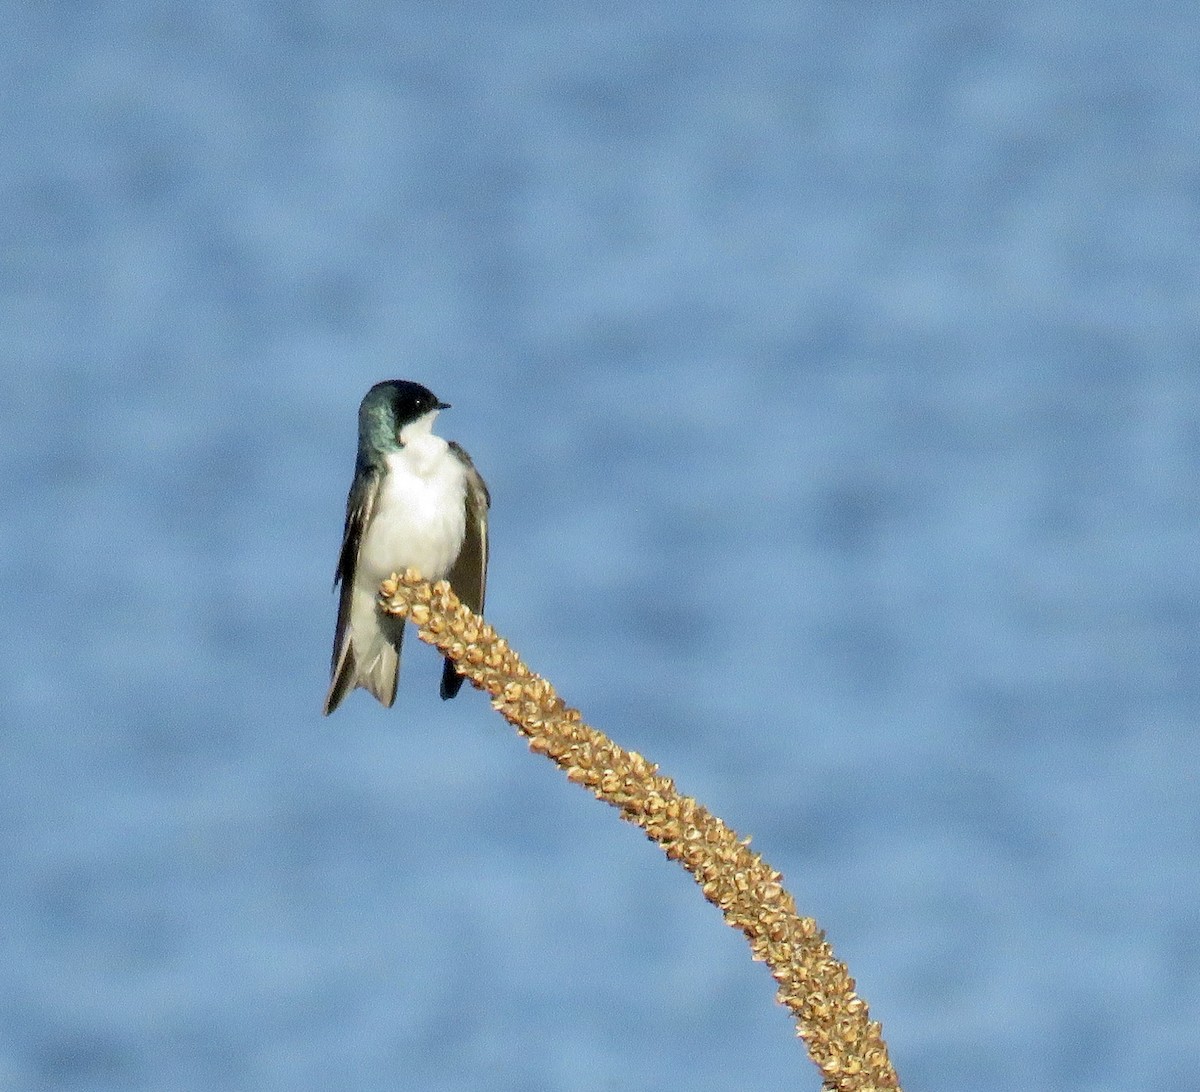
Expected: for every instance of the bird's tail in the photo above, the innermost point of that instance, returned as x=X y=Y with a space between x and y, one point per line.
x=451 y=680
x=376 y=670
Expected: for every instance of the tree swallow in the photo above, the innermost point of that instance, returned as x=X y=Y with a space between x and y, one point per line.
x=418 y=502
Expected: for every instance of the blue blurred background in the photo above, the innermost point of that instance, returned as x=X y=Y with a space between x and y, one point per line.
x=834 y=370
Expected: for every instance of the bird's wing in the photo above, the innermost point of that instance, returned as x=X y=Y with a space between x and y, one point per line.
x=468 y=576
x=360 y=506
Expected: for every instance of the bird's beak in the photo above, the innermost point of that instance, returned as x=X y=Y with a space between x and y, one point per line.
x=443 y=405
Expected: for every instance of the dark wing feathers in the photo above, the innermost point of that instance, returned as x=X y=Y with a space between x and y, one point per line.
x=360 y=505
x=468 y=577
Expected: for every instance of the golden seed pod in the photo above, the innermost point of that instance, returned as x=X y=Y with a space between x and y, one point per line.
x=832 y=1020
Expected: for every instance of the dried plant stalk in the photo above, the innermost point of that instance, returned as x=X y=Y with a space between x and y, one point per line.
x=831 y=1019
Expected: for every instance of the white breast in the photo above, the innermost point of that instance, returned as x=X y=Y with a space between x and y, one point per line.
x=420 y=515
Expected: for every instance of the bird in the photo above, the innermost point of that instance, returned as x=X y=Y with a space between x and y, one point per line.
x=416 y=502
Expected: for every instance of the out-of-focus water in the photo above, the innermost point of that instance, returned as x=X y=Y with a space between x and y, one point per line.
x=834 y=371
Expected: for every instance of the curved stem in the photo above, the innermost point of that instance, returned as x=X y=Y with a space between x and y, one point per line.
x=845 y=1044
